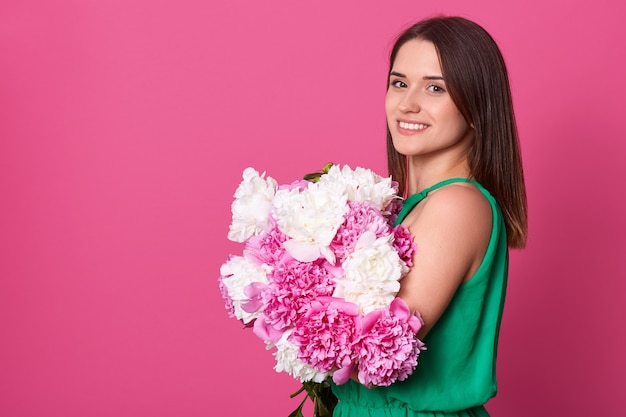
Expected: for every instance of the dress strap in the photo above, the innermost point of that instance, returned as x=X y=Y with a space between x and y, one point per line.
x=412 y=200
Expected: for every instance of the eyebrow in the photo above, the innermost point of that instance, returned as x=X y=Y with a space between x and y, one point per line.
x=426 y=77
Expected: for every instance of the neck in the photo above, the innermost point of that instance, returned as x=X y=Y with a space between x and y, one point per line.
x=426 y=172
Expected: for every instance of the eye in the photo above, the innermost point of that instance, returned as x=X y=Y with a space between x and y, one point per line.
x=434 y=88
x=397 y=84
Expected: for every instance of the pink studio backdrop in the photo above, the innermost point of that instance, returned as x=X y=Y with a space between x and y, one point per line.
x=125 y=126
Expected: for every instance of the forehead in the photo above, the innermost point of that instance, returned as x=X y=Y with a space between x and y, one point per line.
x=417 y=57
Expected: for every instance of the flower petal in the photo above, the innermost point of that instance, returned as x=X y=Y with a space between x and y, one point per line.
x=367 y=322
x=301 y=251
x=344 y=306
x=265 y=331
x=366 y=239
x=416 y=322
x=399 y=309
x=342 y=375
x=252 y=306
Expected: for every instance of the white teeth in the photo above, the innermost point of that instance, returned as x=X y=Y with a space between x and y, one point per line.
x=412 y=126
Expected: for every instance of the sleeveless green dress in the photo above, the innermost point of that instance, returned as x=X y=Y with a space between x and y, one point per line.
x=456 y=375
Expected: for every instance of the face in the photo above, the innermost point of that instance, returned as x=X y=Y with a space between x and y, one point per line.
x=422 y=118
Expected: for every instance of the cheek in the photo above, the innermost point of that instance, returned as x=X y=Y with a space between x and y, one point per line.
x=455 y=118
x=463 y=125
x=389 y=107
x=458 y=122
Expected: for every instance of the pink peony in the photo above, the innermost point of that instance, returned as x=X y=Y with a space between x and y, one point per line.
x=228 y=302
x=293 y=285
x=326 y=334
x=404 y=244
x=388 y=348
x=267 y=247
x=254 y=291
x=393 y=209
x=361 y=217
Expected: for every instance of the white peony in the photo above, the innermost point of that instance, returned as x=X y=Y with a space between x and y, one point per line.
x=252 y=205
x=287 y=361
x=360 y=184
x=237 y=274
x=371 y=273
x=310 y=217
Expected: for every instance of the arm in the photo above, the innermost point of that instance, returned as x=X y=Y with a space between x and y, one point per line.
x=452 y=228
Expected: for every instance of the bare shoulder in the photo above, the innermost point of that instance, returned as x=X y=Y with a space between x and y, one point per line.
x=456 y=219
x=460 y=201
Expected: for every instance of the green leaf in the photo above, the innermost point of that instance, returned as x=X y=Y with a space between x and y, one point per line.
x=324 y=401
x=298 y=411
x=315 y=176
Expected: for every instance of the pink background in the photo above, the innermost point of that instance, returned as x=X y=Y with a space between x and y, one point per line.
x=125 y=126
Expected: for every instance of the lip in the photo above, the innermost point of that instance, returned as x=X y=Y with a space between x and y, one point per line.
x=410 y=131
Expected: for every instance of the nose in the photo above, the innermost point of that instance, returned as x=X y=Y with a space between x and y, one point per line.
x=410 y=102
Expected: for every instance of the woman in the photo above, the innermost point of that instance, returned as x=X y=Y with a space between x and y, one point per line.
x=452 y=146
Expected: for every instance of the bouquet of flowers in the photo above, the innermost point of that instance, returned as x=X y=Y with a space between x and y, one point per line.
x=318 y=278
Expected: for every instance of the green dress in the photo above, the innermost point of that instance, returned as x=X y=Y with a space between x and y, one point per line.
x=456 y=375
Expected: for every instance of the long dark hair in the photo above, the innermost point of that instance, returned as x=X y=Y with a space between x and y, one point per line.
x=478 y=83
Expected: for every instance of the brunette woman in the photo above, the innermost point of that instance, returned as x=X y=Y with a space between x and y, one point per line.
x=453 y=147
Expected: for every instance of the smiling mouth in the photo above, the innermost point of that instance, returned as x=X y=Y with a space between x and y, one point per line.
x=412 y=126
